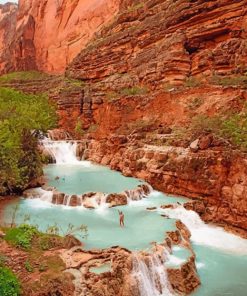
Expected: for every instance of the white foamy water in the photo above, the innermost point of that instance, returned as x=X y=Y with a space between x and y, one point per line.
x=39 y=204
x=209 y=235
x=63 y=152
x=151 y=275
x=200 y=265
x=173 y=260
x=41 y=194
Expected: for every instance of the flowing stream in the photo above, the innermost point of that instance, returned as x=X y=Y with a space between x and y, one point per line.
x=221 y=257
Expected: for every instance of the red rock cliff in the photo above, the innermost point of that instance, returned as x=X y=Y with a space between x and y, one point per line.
x=157 y=42
x=155 y=67
x=49 y=34
x=8 y=14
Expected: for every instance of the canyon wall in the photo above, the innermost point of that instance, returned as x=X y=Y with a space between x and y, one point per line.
x=148 y=74
x=172 y=54
x=8 y=14
x=47 y=35
x=156 y=42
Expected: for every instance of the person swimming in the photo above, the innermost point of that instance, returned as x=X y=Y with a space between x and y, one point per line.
x=121 y=218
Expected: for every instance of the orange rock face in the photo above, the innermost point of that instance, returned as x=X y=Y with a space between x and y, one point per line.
x=56 y=30
x=8 y=14
x=160 y=42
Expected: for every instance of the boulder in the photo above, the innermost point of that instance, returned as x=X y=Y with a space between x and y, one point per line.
x=205 y=142
x=194 y=146
x=115 y=199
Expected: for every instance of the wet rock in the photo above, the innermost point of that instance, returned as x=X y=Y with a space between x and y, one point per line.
x=167 y=207
x=74 y=201
x=58 y=198
x=185 y=279
x=116 y=199
x=197 y=206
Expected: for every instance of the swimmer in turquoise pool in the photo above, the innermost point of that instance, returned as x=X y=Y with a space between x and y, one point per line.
x=121 y=218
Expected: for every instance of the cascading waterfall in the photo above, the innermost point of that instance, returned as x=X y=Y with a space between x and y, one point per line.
x=150 y=274
x=138 y=193
x=40 y=193
x=202 y=233
x=63 y=152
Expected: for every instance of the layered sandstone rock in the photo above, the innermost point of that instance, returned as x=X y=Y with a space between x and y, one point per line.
x=160 y=42
x=170 y=53
x=47 y=35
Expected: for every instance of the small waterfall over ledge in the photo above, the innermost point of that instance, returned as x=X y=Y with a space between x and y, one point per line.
x=91 y=200
x=63 y=152
x=150 y=274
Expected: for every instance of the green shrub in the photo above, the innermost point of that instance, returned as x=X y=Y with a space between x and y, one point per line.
x=3 y=259
x=195 y=103
x=79 y=129
x=192 y=82
x=203 y=123
x=28 y=266
x=9 y=284
x=133 y=91
x=135 y=7
x=21 y=236
x=25 y=75
x=232 y=127
x=93 y=128
x=229 y=80
x=74 y=83
x=112 y=96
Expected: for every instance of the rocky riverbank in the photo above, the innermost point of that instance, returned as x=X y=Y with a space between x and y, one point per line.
x=216 y=177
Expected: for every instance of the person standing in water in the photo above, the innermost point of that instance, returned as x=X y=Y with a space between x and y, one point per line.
x=121 y=218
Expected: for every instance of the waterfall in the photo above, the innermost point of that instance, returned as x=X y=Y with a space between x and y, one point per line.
x=142 y=191
x=204 y=234
x=67 y=199
x=63 y=152
x=99 y=202
x=150 y=274
x=40 y=193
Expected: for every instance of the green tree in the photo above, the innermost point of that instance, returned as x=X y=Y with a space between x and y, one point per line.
x=20 y=116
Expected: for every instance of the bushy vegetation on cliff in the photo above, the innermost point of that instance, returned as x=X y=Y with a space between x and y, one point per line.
x=9 y=284
x=20 y=116
x=23 y=76
x=231 y=127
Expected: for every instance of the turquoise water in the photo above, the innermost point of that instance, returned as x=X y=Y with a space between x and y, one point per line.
x=79 y=179
x=100 y=269
x=178 y=257
x=141 y=227
x=221 y=273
